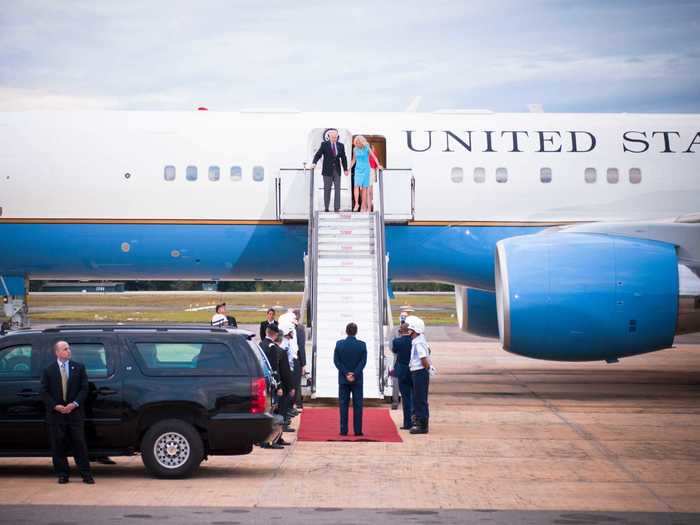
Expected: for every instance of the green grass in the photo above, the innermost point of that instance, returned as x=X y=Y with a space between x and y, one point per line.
x=170 y=308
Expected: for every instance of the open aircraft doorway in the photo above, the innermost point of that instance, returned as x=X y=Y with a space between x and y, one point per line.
x=377 y=144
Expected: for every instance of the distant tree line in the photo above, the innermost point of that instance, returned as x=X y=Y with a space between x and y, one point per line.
x=244 y=286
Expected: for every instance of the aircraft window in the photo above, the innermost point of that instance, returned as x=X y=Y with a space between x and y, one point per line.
x=457 y=175
x=214 y=173
x=590 y=175
x=546 y=175
x=635 y=175
x=479 y=175
x=613 y=175
x=258 y=173
x=236 y=173
x=191 y=173
x=169 y=173
x=501 y=175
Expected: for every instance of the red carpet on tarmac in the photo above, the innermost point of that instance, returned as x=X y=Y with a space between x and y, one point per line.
x=323 y=424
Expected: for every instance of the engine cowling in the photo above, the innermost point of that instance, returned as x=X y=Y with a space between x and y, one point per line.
x=476 y=311
x=585 y=297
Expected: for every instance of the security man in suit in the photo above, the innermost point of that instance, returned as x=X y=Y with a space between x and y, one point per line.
x=286 y=331
x=64 y=390
x=269 y=321
x=274 y=353
x=333 y=153
x=350 y=358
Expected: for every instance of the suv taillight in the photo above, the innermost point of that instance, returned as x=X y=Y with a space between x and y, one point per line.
x=258 y=402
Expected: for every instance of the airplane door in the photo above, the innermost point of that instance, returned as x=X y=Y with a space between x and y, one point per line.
x=316 y=137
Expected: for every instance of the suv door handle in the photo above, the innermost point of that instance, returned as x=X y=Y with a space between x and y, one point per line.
x=28 y=393
x=106 y=391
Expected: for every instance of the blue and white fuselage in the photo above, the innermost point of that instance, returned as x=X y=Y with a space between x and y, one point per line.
x=212 y=196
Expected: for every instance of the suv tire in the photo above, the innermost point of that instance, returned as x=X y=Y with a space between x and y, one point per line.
x=172 y=448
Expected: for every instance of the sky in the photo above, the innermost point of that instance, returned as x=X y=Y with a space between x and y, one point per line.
x=229 y=55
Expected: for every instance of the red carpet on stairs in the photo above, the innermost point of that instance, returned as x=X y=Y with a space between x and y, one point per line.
x=323 y=424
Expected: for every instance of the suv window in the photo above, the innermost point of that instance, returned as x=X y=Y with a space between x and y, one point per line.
x=93 y=356
x=16 y=362
x=188 y=358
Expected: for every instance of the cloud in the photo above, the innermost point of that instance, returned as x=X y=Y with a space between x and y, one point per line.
x=323 y=56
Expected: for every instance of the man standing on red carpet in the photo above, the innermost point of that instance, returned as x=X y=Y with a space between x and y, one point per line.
x=350 y=358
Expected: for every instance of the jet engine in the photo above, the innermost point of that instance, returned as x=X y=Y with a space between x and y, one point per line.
x=585 y=297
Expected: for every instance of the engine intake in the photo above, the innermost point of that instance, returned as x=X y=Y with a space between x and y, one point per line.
x=585 y=297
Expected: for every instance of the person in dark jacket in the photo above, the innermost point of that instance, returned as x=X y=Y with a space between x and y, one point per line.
x=401 y=347
x=274 y=354
x=333 y=153
x=64 y=390
x=270 y=321
x=286 y=377
x=350 y=358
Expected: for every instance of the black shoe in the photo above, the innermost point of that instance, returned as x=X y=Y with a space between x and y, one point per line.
x=287 y=428
x=293 y=413
x=275 y=446
x=343 y=433
x=62 y=480
x=104 y=460
x=406 y=427
x=326 y=210
x=419 y=430
x=394 y=406
x=283 y=442
x=88 y=480
x=359 y=434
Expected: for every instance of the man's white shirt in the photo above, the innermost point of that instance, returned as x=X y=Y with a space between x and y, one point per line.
x=419 y=350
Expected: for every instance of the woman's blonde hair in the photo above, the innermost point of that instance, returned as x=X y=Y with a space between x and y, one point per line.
x=362 y=140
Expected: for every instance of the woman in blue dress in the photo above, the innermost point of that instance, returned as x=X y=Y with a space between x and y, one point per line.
x=360 y=160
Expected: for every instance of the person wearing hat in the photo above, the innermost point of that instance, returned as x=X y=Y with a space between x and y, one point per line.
x=421 y=369
x=220 y=319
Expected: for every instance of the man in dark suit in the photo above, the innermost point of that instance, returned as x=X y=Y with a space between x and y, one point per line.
x=350 y=358
x=333 y=153
x=64 y=390
x=270 y=321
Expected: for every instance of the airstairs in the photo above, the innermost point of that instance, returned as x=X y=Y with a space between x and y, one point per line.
x=348 y=288
x=346 y=267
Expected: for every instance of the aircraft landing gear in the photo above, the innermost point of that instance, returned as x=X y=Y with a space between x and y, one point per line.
x=14 y=302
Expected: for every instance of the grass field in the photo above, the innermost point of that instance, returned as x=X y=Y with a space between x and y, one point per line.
x=247 y=308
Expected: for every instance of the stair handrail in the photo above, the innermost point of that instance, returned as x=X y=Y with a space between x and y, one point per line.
x=312 y=279
x=382 y=276
x=314 y=302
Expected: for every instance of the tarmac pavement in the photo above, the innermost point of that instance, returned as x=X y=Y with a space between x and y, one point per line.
x=538 y=441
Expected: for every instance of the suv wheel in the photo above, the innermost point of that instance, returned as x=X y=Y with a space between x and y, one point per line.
x=172 y=449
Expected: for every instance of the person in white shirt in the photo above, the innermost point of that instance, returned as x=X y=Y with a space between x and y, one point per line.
x=421 y=369
x=219 y=318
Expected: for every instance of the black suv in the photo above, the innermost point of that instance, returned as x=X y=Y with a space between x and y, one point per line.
x=175 y=394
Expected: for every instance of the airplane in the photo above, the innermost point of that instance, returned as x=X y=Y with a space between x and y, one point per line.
x=572 y=237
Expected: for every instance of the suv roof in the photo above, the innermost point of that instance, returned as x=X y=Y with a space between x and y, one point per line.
x=133 y=327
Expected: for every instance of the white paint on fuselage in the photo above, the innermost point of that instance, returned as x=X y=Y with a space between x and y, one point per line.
x=72 y=165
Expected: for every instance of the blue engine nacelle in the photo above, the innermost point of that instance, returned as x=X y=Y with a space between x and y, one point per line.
x=476 y=311
x=585 y=297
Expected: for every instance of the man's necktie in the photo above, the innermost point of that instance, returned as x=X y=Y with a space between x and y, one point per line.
x=335 y=152
x=64 y=381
